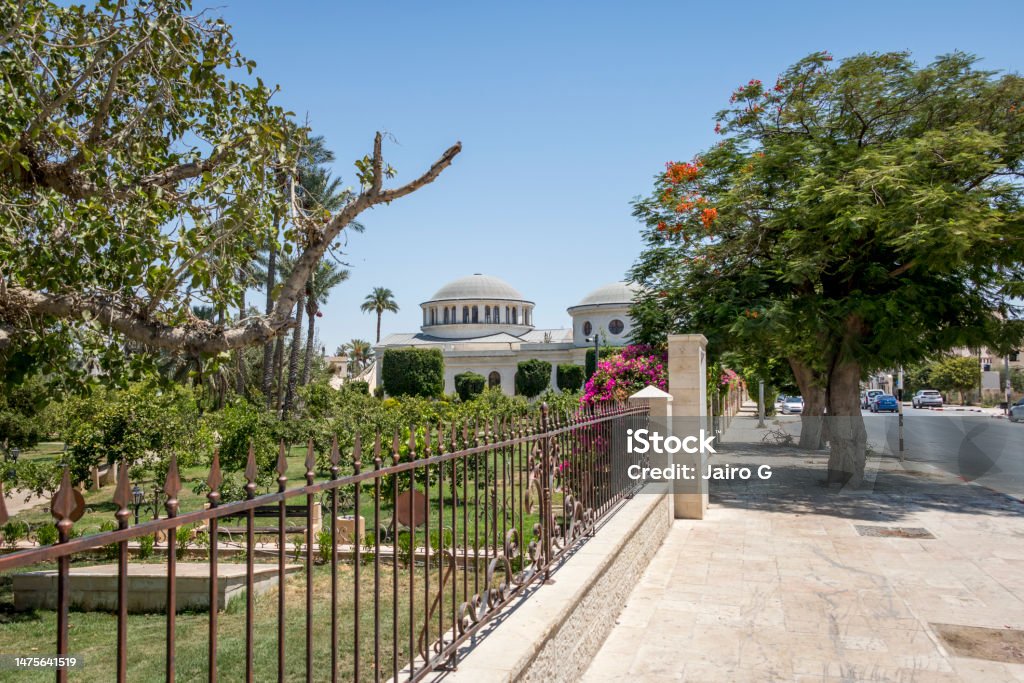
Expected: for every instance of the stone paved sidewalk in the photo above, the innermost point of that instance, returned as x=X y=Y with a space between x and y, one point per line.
x=777 y=584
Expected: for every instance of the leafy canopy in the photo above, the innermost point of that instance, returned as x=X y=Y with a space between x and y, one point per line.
x=142 y=168
x=867 y=213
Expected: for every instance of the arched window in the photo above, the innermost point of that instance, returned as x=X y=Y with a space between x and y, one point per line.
x=494 y=379
x=465 y=315
x=616 y=326
x=476 y=314
x=487 y=314
x=446 y=315
x=497 y=314
x=515 y=315
x=507 y=316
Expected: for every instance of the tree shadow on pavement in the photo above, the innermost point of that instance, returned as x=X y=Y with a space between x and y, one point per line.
x=891 y=492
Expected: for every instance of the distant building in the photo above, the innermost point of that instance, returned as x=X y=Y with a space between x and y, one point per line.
x=484 y=325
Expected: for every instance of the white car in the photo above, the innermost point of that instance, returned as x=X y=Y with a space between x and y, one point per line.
x=926 y=397
x=1017 y=411
x=793 y=405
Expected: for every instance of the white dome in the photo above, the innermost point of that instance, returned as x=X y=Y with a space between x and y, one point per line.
x=616 y=293
x=477 y=286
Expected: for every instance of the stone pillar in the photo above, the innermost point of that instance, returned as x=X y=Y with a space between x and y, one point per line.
x=687 y=382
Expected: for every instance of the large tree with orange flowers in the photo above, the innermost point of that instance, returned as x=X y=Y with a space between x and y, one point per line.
x=853 y=217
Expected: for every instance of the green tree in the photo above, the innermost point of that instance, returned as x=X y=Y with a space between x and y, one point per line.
x=853 y=218
x=23 y=415
x=469 y=385
x=327 y=276
x=532 y=377
x=130 y=152
x=359 y=352
x=379 y=301
x=569 y=376
x=957 y=373
x=413 y=372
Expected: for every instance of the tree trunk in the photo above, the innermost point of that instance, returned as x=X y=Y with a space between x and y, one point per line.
x=240 y=353
x=812 y=422
x=293 y=359
x=311 y=309
x=278 y=371
x=846 y=433
x=379 y=315
x=269 y=347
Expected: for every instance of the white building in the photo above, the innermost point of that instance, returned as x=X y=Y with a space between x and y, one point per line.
x=484 y=325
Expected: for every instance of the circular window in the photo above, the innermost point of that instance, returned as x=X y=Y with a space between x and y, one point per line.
x=616 y=326
x=587 y=328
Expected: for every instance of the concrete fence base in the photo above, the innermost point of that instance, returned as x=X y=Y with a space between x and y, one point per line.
x=554 y=631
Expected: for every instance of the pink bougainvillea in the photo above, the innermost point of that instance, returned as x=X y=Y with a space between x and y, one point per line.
x=626 y=373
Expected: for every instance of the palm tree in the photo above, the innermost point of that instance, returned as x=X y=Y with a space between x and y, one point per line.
x=381 y=299
x=326 y=277
x=359 y=353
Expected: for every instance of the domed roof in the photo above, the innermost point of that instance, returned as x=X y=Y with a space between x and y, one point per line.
x=618 y=293
x=477 y=286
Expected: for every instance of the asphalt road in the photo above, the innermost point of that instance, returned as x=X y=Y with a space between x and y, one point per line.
x=973 y=446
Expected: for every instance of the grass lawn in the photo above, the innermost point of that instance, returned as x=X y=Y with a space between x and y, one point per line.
x=93 y=634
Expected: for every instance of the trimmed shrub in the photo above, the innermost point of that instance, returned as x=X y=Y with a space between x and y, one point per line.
x=413 y=372
x=469 y=385
x=569 y=377
x=532 y=377
x=358 y=386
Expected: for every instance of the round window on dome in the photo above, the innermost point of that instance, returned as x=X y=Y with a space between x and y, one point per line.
x=587 y=328
x=616 y=326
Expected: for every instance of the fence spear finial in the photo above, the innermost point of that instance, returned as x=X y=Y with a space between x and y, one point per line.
x=214 y=480
x=251 y=472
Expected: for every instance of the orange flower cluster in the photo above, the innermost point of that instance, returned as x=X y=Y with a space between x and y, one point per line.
x=708 y=216
x=751 y=314
x=676 y=172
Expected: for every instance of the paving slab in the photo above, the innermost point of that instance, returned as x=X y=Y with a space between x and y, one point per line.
x=777 y=583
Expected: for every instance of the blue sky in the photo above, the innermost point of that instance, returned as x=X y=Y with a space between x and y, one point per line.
x=565 y=111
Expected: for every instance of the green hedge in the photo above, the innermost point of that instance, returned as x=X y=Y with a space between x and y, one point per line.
x=569 y=376
x=606 y=351
x=469 y=385
x=413 y=372
x=532 y=377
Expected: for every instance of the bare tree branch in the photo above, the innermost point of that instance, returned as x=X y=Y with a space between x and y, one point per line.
x=201 y=337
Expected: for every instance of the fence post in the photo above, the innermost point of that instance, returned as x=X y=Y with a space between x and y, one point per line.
x=547 y=518
x=659 y=405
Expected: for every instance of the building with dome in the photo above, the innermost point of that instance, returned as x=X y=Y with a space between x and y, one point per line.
x=483 y=324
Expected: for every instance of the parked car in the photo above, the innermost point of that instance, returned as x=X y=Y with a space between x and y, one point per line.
x=884 y=403
x=866 y=396
x=1017 y=411
x=793 y=405
x=779 y=400
x=925 y=398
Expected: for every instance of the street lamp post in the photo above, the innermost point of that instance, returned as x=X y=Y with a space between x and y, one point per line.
x=1008 y=387
x=760 y=404
x=899 y=406
x=597 y=349
x=137 y=496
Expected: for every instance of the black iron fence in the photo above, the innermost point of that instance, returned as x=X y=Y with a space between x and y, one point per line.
x=443 y=527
